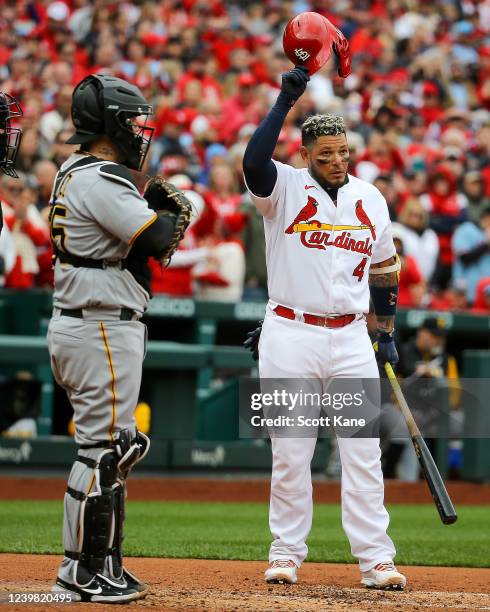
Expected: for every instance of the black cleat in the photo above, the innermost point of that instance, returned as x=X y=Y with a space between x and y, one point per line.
x=134 y=583
x=99 y=590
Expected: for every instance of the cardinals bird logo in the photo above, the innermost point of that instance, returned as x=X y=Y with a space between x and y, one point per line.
x=317 y=235
x=363 y=218
x=308 y=211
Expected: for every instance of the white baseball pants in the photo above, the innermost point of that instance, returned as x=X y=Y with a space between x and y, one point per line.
x=293 y=349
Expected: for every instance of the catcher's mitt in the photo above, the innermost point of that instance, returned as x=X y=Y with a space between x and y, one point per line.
x=167 y=201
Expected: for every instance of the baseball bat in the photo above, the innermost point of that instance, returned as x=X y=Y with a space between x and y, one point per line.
x=438 y=491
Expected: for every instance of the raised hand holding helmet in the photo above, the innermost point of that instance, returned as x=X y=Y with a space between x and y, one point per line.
x=294 y=83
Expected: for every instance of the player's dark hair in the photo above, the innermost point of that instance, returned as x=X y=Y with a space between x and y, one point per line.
x=321 y=125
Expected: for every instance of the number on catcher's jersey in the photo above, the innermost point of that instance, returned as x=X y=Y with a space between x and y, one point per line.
x=58 y=235
x=359 y=270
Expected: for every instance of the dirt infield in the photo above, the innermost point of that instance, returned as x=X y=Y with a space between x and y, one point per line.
x=191 y=584
x=239 y=490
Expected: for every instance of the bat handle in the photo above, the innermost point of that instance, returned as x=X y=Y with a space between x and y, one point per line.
x=389 y=370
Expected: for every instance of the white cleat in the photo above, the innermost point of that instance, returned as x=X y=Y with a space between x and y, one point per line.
x=384 y=576
x=281 y=571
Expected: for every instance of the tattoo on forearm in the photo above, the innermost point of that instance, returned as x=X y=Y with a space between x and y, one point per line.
x=383 y=280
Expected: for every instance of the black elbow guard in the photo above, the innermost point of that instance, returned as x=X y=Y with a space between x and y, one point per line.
x=153 y=241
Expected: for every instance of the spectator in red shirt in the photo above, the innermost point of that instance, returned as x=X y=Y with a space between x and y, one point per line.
x=53 y=28
x=208 y=267
x=224 y=43
x=369 y=39
x=447 y=209
x=383 y=152
x=482 y=299
x=197 y=71
x=411 y=288
x=454 y=298
x=222 y=219
x=29 y=232
x=242 y=108
x=432 y=108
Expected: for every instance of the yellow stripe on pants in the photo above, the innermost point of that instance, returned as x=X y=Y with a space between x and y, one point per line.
x=113 y=376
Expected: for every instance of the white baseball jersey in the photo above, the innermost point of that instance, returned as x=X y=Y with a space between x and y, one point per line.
x=317 y=253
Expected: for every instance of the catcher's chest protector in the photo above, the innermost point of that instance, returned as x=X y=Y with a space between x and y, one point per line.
x=96 y=214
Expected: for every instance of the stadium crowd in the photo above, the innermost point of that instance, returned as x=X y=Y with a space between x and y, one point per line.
x=417 y=107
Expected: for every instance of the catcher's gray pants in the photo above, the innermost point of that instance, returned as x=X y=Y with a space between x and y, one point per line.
x=98 y=361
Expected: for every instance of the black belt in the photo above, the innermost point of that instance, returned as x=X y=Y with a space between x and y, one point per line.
x=126 y=314
x=86 y=262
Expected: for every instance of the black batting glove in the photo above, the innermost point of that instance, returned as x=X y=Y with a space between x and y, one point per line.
x=385 y=350
x=294 y=83
x=252 y=341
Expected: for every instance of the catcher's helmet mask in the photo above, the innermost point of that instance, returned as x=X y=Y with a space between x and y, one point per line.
x=108 y=105
x=10 y=137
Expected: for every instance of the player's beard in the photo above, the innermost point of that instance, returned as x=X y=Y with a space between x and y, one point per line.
x=323 y=182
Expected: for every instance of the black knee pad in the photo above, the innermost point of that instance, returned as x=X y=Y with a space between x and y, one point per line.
x=131 y=450
x=108 y=469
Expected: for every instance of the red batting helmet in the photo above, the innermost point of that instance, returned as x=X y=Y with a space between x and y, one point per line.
x=308 y=40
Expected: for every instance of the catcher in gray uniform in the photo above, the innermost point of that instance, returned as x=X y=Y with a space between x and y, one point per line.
x=103 y=232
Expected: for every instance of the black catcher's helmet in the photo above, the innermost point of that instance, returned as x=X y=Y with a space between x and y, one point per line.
x=9 y=137
x=103 y=104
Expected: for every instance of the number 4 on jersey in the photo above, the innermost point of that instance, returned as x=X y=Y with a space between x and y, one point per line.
x=359 y=270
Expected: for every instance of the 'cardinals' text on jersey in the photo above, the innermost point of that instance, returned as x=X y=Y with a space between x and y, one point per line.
x=318 y=253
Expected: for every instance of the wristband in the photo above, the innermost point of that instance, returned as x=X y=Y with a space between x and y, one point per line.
x=384 y=300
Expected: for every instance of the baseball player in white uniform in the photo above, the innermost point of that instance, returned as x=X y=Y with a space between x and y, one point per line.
x=103 y=232
x=329 y=249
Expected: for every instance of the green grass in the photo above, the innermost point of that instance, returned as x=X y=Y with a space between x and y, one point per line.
x=240 y=531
